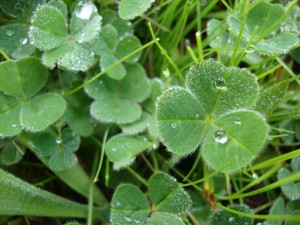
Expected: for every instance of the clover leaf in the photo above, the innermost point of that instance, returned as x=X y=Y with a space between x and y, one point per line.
x=169 y=200
x=213 y=111
x=49 y=32
x=59 y=149
x=290 y=190
x=19 y=82
x=121 y=149
x=129 y=9
x=117 y=100
x=264 y=18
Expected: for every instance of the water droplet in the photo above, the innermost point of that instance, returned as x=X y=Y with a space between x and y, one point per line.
x=231 y=219
x=127 y=218
x=145 y=139
x=174 y=125
x=255 y=176
x=166 y=73
x=118 y=204
x=114 y=150
x=85 y=10
x=197 y=116
x=23 y=40
x=58 y=140
x=9 y=33
x=221 y=136
x=220 y=83
x=14 y=125
x=19 y=5
x=238 y=121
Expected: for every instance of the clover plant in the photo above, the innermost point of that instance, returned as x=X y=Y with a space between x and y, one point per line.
x=149 y=112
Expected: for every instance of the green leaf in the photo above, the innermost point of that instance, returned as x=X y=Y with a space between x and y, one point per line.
x=60 y=150
x=213 y=110
x=85 y=22
x=21 y=198
x=22 y=78
x=225 y=217
x=270 y=98
x=117 y=99
x=279 y=44
x=167 y=195
x=129 y=206
x=21 y=9
x=115 y=110
x=42 y=111
x=128 y=44
x=122 y=149
x=156 y=90
x=163 y=218
x=77 y=114
x=118 y=72
x=49 y=28
x=14 y=40
x=11 y=155
x=262 y=17
x=290 y=190
x=234 y=140
x=278 y=207
x=9 y=116
x=129 y=9
x=137 y=126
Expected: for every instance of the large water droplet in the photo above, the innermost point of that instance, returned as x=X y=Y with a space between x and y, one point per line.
x=255 y=176
x=221 y=136
x=174 y=125
x=9 y=33
x=220 y=83
x=231 y=219
x=23 y=41
x=85 y=10
x=58 y=140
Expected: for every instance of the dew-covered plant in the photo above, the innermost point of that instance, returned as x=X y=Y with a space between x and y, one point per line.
x=149 y=112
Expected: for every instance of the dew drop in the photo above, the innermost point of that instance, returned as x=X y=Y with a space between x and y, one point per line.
x=114 y=150
x=203 y=2
x=58 y=140
x=118 y=204
x=231 y=219
x=14 y=125
x=9 y=33
x=85 y=10
x=197 y=116
x=220 y=136
x=23 y=41
x=238 y=121
x=220 y=83
x=174 y=125
x=127 y=218
x=254 y=176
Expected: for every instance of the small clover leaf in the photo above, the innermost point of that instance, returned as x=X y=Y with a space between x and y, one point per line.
x=14 y=40
x=60 y=150
x=129 y=205
x=11 y=154
x=168 y=198
x=290 y=190
x=214 y=111
x=129 y=9
x=42 y=111
x=21 y=9
x=167 y=195
x=49 y=33
x=22 y=78
x=122 y=149
x=263 y=19
x=117 y=100
x=226 y=217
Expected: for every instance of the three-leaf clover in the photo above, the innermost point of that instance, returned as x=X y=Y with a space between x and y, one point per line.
x=168 y=198
x=213 y=111
x=19 y=109
x=63 y=44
